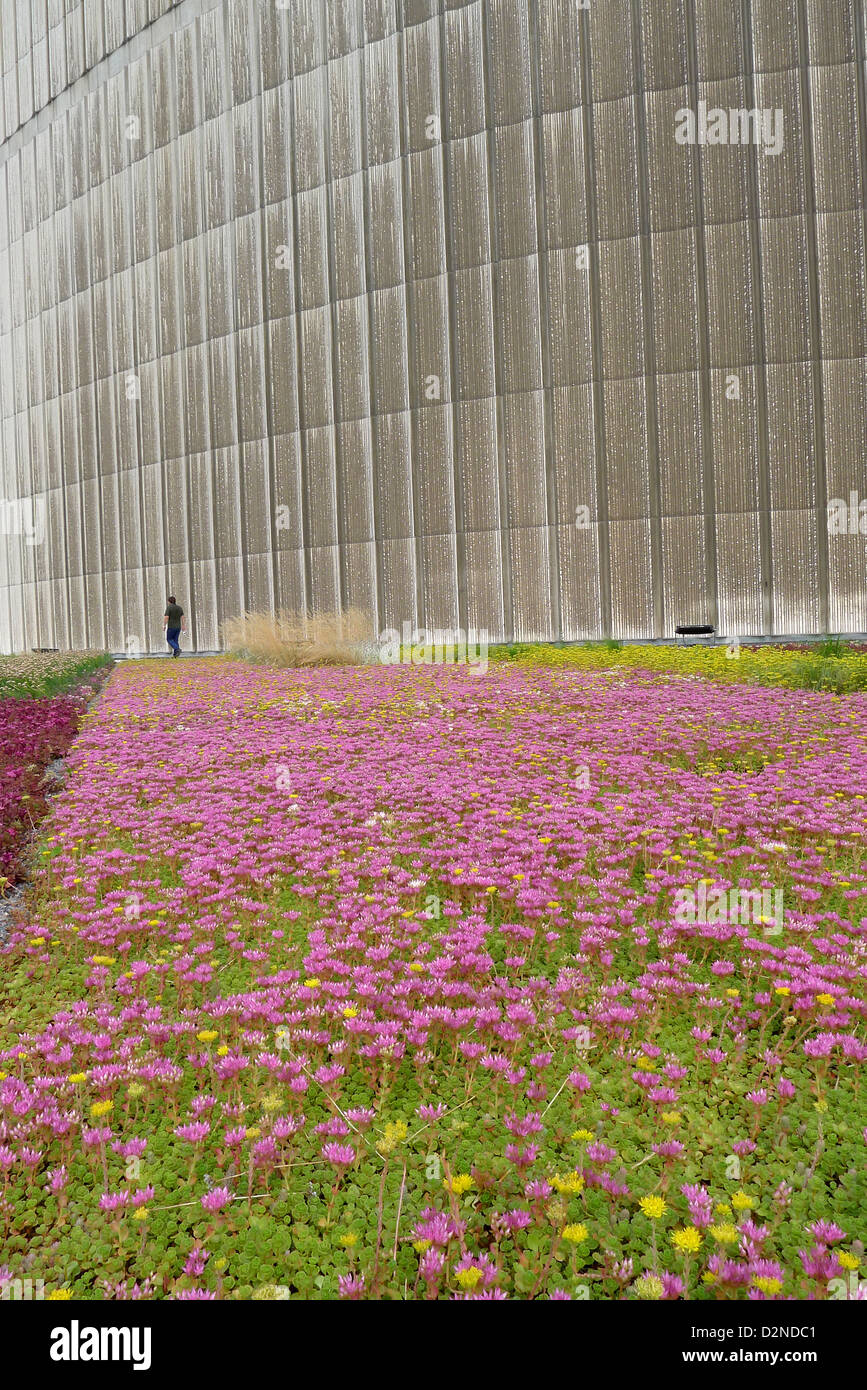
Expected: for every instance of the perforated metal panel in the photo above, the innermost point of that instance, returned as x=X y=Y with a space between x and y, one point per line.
x=420 y=305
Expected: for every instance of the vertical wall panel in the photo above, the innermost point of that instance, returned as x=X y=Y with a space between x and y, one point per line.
x=421 y=306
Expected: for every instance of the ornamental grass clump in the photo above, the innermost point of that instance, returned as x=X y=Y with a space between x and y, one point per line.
x=286 y=639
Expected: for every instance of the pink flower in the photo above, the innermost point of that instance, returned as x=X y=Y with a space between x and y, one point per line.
x=341 y=1155
x=489 y=1271
x=671 y=1148
x=431 y=1265
x=362 y=1117
x=522 y=1157
x=57 y=1179
x=826 y=1232
x=516 y=1220
x=431 y=1113
x=820 y=1263
x=113 y=1201
x=539 y=1190
x=195 y=1132
x=437 y=1227
x=350 y=1286
x=196 y=1261
x=216 y=1199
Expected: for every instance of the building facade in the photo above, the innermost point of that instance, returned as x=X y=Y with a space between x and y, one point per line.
x=545 y=317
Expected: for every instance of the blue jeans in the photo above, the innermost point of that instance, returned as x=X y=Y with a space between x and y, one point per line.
x=172 y=635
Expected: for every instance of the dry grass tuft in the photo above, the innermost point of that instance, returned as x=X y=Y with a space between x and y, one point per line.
x=299 y=639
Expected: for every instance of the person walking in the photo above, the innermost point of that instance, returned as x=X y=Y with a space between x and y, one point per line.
x=174 y=623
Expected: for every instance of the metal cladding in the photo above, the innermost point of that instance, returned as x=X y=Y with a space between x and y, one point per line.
x=545 y=317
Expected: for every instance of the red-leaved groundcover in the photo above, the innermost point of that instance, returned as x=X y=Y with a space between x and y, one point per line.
x=32 y=733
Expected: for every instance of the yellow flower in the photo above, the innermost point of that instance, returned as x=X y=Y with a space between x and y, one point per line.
x=77 y=1077
x=824 y=998
x=102 y=960
x=348 y=1239
x=223 y=1050
x=654 y=1207
x=584 y=1135
x=576 y=1233
x=207 y=1035
x=847 y=1260
x=733 y=993
x=573 y=1183
x=140 y=1214
x=416 y=967
x=766 y=1284
x=460 y=1183
x=670 y=1117
x=723 y=1209
x=135 y=1089
x=350 y=1012
x=468 y=1278
x=253 y=1132
x=782 y=989
x=36 y=941
x=687 y=1240
x=101 y=1107
x=58 y=1296
x=741 y=1202
x=312 y=982
x=649 y=1287
x=726 y=1234
x=419 y=1246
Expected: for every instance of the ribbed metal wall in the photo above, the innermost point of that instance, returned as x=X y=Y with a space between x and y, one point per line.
x=332 y=248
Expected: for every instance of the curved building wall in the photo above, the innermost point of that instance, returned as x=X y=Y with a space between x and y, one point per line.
x=422 y=306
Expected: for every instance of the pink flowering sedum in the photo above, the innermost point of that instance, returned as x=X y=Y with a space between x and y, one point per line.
x=330 y=957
